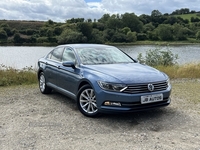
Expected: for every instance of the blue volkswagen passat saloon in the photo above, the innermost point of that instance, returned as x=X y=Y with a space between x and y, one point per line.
x=102 y=79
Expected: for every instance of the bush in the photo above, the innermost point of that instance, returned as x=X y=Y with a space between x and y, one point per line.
x=158 y=57
x=3 y=35
x=70 y=36
x=10 y=76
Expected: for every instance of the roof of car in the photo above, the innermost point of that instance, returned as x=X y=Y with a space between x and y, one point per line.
x=85 y=45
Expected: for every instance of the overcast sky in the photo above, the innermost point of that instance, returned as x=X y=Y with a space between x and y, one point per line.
x=61 y=10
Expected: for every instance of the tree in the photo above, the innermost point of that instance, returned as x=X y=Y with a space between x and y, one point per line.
x=4 y=25
x=114 y=23
x=89 y=20
x=108 y=34
x=3 y=35
x=156 y=13
x=118 y=37
x=43 y=31
x=75 y=20
x=98 y=25
x=198 y=35
x=125 y=30
x=104 y=18
x=132 y=21
x=57 y=30
x=193 y=19
x=31 y=31
x=171 y=20
x=131 y=37
x=141 y=36
x=179 y=32
x=49 y=32
x=145 y=18
x=97 y=36
x=50 y=22
x=17 y=38
x=148 y=27
x=85 y=28
x=70 y=36
x=164 y=32
x=153 y=35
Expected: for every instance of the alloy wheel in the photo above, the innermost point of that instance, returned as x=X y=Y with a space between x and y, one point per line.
x=87 y=101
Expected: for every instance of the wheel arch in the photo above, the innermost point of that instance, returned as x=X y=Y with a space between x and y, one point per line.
x=82 y=83
x=39 y=72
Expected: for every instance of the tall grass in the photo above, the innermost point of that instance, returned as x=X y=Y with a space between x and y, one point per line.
x=191 y=70
x=11 y=76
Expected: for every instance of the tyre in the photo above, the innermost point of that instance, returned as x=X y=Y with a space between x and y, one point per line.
x=86 y=101
x=42 y=84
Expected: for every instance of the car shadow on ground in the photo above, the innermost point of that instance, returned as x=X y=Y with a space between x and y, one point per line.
x=160 y=119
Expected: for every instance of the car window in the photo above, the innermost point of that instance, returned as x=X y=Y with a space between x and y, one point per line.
x=105 y=55
x=68 y=55
x=57 y=54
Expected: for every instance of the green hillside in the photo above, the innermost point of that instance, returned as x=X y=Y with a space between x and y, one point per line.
x=21 y=25
x=126 y=28
x=189 y=16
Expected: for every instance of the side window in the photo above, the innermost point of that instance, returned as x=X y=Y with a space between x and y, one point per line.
x=57 y=54
x=68 y=55
x=49 y=55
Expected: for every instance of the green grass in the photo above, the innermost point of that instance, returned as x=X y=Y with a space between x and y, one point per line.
x=188 y=16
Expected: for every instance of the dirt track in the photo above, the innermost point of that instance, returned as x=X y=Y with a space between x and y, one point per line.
x=31 y=120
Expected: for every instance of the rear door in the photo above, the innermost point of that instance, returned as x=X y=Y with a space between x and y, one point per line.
x=52 y=65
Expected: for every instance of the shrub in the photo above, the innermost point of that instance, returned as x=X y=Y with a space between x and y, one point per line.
x=159 y=57
x=3 y=35
x=11 y=76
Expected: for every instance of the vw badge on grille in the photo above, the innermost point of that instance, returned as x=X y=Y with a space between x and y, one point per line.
x=150 y=87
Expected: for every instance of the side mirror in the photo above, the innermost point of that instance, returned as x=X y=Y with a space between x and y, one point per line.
x=69 y=64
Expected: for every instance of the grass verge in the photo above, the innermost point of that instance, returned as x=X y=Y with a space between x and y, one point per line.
x=191 y=70
x=10 y=76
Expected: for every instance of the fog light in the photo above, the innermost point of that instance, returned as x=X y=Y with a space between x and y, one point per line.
x=107 y=103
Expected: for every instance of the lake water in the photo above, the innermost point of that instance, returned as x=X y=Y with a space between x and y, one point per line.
x=25 y=56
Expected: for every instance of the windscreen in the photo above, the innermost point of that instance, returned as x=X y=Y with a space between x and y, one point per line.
x=102 y=55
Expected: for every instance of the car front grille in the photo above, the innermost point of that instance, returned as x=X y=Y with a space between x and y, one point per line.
x=143 y=88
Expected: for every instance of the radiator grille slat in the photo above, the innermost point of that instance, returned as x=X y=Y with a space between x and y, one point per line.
x=143 y=88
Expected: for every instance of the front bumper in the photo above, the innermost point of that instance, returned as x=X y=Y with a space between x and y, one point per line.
x=129 y=102
x=129 y=107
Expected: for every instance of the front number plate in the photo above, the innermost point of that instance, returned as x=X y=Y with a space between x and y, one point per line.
x=151 y=98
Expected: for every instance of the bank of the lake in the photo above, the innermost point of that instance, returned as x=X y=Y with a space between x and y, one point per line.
x=137 y=43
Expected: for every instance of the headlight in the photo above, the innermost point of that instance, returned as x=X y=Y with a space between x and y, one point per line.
x=168 y=83
x=112 y=87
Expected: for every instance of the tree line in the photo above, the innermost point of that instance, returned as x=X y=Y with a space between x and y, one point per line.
x=115 y=28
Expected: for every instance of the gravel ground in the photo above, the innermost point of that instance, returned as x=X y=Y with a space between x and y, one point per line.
x=33 y=121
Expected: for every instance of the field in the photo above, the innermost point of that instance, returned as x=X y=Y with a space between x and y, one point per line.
x=188 y=16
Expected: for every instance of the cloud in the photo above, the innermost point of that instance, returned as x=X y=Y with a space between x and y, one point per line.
x=61 y=10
